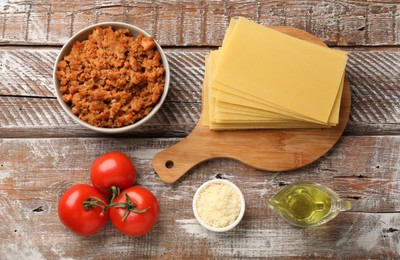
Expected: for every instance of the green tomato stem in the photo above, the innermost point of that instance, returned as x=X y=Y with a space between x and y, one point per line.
x=129 y=206
x=92 y=202
x=115 y=191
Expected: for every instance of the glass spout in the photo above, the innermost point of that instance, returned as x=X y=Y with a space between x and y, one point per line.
x=344 y=205
x=274 y=204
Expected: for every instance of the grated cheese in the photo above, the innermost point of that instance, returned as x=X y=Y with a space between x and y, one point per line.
x=218 y=205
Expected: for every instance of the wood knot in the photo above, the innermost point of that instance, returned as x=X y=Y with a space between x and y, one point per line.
x=390 y=230
x=219 y=176
x=282 y=183
x=38 y=209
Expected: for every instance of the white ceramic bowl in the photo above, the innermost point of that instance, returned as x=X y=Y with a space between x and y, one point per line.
x=83 y=35
x=242 y=206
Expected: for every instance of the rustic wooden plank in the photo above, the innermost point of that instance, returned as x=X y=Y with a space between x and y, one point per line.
x=186 y=23
x=28 y=102
x=41 y=117
x=28 y=72
x=375 y=88
x=37 y=172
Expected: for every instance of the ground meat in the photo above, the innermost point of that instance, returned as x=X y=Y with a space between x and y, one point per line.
x=112 y=79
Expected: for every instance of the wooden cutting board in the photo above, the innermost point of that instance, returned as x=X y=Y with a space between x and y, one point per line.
x=266 y=149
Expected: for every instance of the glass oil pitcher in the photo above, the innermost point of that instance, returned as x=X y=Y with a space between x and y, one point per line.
x=308 y=204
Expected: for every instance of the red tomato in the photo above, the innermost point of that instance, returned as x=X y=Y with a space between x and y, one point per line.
x=73 y=214
x=112 y=169
x=135 y=211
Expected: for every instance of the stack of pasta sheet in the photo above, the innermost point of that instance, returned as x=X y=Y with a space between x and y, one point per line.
x=261 y=78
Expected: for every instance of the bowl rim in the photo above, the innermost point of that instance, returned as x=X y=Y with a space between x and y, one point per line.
x=81 y=35
x=242 y=205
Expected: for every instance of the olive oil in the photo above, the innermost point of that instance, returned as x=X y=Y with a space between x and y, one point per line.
x=307 y=204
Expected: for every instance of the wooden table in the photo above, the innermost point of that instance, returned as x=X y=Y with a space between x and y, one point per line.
x=43 y=152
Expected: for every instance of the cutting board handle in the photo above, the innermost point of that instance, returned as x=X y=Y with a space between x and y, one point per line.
x=172 y=163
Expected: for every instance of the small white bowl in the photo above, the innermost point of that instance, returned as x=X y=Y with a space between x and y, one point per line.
x=242 y=206
x=83 y=35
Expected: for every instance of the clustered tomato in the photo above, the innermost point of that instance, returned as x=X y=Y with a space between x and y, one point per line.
x=112 y=169
x=83 y=209
x=133 y=211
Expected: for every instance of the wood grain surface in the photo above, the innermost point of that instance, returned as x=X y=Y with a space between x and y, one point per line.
x=374 y=77
x=38 y=171
x=200 y=22
x=43 y=152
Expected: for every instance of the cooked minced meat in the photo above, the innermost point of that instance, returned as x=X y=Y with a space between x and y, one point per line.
x=112 y=79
